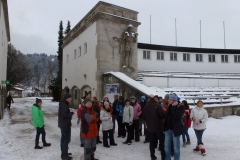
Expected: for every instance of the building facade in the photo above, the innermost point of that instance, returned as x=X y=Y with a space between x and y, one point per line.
x=104 y=40
x=185 y=59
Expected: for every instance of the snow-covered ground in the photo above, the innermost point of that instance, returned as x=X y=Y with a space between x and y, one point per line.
x=17 y=136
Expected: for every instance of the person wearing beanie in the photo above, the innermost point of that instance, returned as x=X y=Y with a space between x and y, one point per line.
x=97 y=109
x=64 y=123
x=173 y=126
x=137 y=112
x=38 y=122
x=107 y=126
x=105 y=99
x=89 y=129
x=114 y=113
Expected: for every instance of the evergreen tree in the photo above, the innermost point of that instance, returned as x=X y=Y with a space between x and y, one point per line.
x=68 y=29
x=56 y=85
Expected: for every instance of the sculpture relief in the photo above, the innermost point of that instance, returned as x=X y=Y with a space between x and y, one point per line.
x=127 y=41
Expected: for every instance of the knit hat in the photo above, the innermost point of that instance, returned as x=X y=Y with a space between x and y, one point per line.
x=133 y=98
x=166 y=96
x=38 y=100
x=87 y=100
x=67 y=95
x=143 y=98
x=174 y=97
x=106 y=103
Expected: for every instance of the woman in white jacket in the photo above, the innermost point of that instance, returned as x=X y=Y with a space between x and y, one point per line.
x=107 y=125
x=128 y=120
x=199 y=117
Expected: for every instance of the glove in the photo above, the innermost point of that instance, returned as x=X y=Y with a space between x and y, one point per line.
x=130 y=123
x=72 y=113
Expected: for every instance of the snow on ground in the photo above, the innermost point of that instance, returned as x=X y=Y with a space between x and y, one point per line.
x=17 y=136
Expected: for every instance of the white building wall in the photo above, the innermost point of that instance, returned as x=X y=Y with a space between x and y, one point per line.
x=3 y=46
x=74 y=69
x=187 y=66
x=189 y=82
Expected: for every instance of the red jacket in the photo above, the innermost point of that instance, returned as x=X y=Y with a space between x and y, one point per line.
x=79 y=111
x=188 y=120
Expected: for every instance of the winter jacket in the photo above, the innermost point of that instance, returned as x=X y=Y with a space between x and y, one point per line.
x=142 y=104
x=89 y=119
x=137 y=111
x=9 y=99
x=64 y=115
x=187 y=119
x=120 y=107
x=107 y=123
x=174 y=119
x=200 y=115
x=115 y=112
x=153 y=115
x=37 y=116
x=128 y=114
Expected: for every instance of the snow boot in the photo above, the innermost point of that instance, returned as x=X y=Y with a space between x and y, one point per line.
x=45 y=144
x=153 y=157
x=37 y=145
x=196 y=149
x=184 y=144
x=65 y=155
x=92 y=157
x=188 y=143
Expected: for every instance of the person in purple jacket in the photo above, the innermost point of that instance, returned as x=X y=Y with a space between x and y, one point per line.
x=137 y=112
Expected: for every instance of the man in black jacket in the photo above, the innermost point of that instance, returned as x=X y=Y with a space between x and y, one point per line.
x=64 y=123
x=173 y=126
x=153 y=115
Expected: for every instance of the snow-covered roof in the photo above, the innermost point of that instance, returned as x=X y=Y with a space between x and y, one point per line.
x=142 y=88
x=17 y=88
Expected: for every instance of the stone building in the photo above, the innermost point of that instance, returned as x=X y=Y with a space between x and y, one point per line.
x=104 y=40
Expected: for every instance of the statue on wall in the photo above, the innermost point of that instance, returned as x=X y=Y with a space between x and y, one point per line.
x=126 y=46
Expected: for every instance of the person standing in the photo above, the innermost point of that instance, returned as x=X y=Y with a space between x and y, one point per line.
x=137 y=112
x=128 y=114
x=97 y=109
x=9 y=100
x=153 y=115
x=107 y=125
x=173 y=126
x=142 y=104
x=199 y=117
x=115 y=113
x=81 y=106
x=38 y=122
x=89 y=129
x=120 y=107
x=64 y=123
x=187 y=123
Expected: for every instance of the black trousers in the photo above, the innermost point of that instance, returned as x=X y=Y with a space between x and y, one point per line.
x=129 y=128
x=8 y=106
x=121 y=128
x=40 y=131
x=105 y=137
x=135 y=130
x=153 y=139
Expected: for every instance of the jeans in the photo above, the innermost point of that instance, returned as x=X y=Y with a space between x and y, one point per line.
x=169 y=137
x=185 y=132
x=199 y=134
x=40 y=131
x=65 y=137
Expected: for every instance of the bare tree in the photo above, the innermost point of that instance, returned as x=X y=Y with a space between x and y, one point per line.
x=18 y=68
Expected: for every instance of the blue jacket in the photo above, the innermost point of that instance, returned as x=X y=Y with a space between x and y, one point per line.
x=119 y=107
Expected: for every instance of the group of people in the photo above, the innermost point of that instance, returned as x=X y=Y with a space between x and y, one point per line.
x=163 y=121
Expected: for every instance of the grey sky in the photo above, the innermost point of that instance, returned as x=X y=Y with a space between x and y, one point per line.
x=34 y=23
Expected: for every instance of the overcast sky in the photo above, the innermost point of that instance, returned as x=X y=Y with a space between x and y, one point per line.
x=34 y=24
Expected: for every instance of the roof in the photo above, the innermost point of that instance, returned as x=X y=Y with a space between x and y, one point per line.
x=17 y=88
x=186 y=49
x=5 y=10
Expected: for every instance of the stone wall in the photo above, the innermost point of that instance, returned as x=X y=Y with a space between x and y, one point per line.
x=221 y=111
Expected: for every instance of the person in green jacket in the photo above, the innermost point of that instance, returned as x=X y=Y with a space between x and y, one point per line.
x=38 y=122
